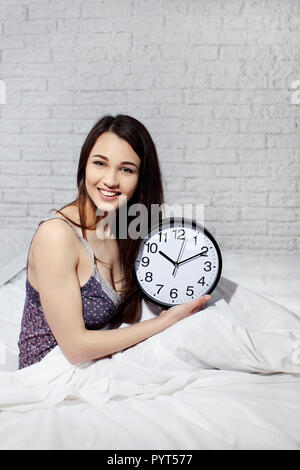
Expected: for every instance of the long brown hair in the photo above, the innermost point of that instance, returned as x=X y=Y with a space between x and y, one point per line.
x=149 y=191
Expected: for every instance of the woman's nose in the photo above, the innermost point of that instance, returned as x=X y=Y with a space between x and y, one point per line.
x=111 y=179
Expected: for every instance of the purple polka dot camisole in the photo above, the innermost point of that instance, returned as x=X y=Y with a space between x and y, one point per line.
x=99 y=305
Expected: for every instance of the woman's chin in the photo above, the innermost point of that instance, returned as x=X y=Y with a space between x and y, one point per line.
x=105 y=207
x=109 y=206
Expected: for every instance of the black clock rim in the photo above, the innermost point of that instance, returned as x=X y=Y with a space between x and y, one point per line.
x=195 y=224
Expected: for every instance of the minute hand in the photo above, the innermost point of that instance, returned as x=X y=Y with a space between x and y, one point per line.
x=192 y=257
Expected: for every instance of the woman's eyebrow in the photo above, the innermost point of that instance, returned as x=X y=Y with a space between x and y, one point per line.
x=105 y=158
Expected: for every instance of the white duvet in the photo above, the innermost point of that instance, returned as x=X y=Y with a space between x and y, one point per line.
x=227 y=377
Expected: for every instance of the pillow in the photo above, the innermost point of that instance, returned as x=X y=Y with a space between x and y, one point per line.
x=14 y=250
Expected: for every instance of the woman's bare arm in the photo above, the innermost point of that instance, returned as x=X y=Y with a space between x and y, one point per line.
x=97 y=344
x=55 y=260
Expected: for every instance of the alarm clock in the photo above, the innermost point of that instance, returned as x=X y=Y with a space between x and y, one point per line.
x=178 y=261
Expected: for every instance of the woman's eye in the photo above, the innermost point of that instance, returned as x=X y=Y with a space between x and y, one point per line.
x=99 y=163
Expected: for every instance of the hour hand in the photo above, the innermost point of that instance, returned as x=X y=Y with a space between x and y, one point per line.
x=167 y=257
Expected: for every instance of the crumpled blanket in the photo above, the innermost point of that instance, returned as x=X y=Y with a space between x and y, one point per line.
x=238 y=331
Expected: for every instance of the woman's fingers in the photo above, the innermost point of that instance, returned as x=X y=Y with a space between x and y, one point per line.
x=184 y=310
x=199 y=302
x=181 y=311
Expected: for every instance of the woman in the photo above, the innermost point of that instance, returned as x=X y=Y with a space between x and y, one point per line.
x=77 y=282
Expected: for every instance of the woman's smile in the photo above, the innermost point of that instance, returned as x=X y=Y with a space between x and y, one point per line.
x=108 y=195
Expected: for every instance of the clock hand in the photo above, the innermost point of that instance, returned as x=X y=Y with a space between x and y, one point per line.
x=167 y=257
x=192 y=257
x=179 y=256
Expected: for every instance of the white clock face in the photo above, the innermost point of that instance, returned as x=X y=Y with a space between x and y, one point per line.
x=178 y=263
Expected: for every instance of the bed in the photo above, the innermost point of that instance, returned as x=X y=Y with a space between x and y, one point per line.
x=226 y=378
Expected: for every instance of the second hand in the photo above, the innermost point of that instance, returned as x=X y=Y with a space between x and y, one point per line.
x=179 y=256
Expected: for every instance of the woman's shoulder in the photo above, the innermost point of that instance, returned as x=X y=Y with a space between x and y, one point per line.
x=55 y=236
x=54 y=227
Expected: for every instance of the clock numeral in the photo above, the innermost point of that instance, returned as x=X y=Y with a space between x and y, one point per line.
x=179 y=233
x=160 y=287
x=149 y=277
x=190 y=291
x=202 y=281
x=205 y=250
x=208 y=265
x=163 y=235
x=151 y=247
x=145 y=261
x=174 y=293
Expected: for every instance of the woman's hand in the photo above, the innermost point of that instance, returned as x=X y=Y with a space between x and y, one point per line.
x=177 y=313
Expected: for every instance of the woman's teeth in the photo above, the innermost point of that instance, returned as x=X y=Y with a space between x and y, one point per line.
x=109 y=194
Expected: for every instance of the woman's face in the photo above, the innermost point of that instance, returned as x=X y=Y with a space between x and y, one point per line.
x=112 y=172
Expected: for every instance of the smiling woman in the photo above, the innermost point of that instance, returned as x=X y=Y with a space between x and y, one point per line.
x=111 y=143
x=107 y=175
x=67 y=298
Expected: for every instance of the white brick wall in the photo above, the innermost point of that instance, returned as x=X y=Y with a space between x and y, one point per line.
x=211 y=80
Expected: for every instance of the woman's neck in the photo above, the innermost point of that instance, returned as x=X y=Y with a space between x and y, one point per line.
x=95 y=235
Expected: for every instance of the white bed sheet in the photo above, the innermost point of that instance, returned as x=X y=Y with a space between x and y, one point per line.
x=226 y=378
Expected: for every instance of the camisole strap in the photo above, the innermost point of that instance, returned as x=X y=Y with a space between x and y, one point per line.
x=84 y=242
